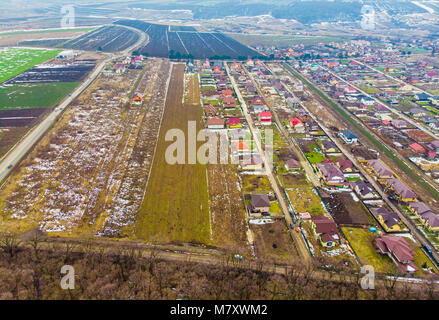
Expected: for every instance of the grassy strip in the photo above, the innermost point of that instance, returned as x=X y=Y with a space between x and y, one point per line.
x=401 y=164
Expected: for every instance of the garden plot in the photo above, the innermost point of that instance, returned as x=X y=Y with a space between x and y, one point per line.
x=348 y=210
x=14 y=61
x=69 y=184
x=272 y=242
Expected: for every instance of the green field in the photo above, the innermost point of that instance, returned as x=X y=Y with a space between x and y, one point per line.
x=42 y=95
x=14 y=61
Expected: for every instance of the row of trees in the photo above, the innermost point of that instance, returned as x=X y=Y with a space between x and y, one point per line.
x=31 y=270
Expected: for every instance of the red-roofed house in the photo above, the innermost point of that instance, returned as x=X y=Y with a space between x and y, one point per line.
x=235 y=123
x=416 y=147
x=265 y=118
x=399 y=251
x=297 y=125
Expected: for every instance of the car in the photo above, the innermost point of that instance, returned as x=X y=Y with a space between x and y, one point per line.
x=238 y=256
x=10 y=166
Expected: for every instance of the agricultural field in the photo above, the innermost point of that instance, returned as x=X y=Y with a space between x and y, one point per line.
x=92 y=163
x=106 y=39
x=39 y=95
x=58 y=71
x=178 y=44
x=14 y=61
x=176 y=204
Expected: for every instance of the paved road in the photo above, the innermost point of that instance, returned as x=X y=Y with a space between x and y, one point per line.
x=408 y=222
x=299 y=242
x=303 y=161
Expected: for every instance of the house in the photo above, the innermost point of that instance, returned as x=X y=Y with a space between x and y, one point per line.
x=422 y=97
x=348 y=136
x=367 y=101
x=434 y=146
x=345 y=165
x=399 y=124
x=265 y=118
x=297 y=125
x=210 y=111
x=235 y=123
x=292 y=164
x=259 y=203
x=380 y=169
x=417 y=112
x=137 y=100
x=229 y=103
x=398 y=250
x=430 y=221
x=215 y=123
x=363 y=189
x=119 y=68
x=325 y=230
x=331 y=174
x=253 y=163
x=227 y=93
x=402 y=191
x=416 y=147
x=388 y=220
x=240 y=147
x=419 y=208
x=328 y=146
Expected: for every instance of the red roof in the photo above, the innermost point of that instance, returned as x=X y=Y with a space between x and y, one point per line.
x=295 y=122
x=265 y=114
x=234 y=121
x=417 y=147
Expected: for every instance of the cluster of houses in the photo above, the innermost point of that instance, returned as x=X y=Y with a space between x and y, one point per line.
x=413 y=143
x=121 y=66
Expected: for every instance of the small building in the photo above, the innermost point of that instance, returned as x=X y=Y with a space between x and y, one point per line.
x=364 y=189
x=210 y=111
x=235 y=123
x=253 y=163
x=388 y=220
x=325 y=230
x=348 y=136
x=403 y=192
x=297 y=125
x=265 y=118
x=137 y=100
x=398 y=250
x=292 y=164
x=416 y=147
x=331 y=174
x=345 y=165
x=329 y=146
x=259 y=203
x=215 y=123
x=380 y=169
